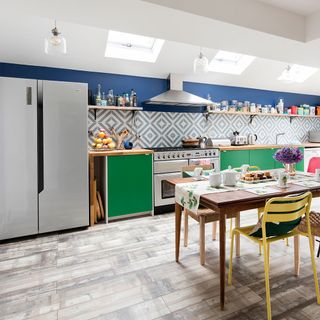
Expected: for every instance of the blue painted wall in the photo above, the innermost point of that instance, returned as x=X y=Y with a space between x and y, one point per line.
x=149 y=87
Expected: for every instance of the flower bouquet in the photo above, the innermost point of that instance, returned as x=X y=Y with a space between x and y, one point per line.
x=289 y=156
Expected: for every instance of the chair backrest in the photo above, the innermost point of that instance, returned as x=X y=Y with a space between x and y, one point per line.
x=314 y=164
x=251 y=168
x=192 y=167
x=287 y=209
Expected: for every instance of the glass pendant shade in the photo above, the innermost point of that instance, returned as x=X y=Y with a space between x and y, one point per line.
x=201 y=64
x=55 y=43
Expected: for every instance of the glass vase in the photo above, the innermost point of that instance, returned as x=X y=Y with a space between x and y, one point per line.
x=290 y=168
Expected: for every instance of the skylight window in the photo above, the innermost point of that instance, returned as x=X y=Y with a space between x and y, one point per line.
x=230 y=62
x=130 y=46
x=297 y=73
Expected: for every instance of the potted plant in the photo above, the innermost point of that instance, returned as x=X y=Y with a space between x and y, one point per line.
x=289 y=156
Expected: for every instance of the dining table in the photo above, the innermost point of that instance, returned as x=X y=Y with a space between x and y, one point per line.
x=233 y=203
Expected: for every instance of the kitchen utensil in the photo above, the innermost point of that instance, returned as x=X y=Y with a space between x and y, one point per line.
x=252 y=138
x=215 y=179
x=202 y=142
x=190 y=143
x=230 y=177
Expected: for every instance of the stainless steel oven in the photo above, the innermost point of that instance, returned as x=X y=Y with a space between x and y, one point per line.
x=168 y=164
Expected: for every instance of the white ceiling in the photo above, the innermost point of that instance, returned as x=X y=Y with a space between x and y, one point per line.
x=86 y=31
x=303 y=7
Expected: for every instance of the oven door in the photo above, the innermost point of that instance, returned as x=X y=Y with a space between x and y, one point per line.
x=164 y=192
x=215 y=162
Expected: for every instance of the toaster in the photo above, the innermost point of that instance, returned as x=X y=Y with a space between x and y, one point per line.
x=239 y=140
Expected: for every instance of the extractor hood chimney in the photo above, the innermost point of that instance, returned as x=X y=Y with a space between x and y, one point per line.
x=175 y=96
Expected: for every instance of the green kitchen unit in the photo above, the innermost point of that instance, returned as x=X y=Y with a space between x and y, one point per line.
x=129 y=185
x=263 y=158
x=234 y=158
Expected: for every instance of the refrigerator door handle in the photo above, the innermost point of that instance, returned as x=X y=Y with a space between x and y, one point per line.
x=40 y=137
x=29 y=96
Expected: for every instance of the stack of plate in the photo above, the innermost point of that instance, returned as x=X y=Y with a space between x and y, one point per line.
x=314 y=136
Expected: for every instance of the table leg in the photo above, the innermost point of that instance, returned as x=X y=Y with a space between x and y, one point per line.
x=92 y=195
x=178 y=211
x=296 y=255
x=238 y=235
x=222 y=235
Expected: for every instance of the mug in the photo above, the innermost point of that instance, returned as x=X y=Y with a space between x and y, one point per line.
x=317 y=175
x=215 y=179
x=283 y=178
x=198 y=173
x=128 y=145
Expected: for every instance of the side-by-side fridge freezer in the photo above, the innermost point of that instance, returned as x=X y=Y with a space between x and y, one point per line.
x=43 y=156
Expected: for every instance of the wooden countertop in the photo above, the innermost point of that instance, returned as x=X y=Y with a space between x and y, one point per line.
x=266 y=146
x=123 y=152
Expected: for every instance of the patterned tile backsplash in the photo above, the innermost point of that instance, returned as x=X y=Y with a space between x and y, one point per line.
x=163 y=129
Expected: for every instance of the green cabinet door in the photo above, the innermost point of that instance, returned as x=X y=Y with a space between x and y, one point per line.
x=129 y=184
x=234 y=158
x=262 y=158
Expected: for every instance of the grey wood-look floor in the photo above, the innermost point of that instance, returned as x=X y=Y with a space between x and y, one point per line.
x=126 y=270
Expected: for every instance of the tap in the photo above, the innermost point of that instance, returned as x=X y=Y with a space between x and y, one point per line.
x=278 y=135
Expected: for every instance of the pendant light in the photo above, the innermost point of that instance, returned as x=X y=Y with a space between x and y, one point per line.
x=201 y=63
x=55 y=42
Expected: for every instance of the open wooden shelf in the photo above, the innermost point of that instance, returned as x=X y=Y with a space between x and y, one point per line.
x=259 y=114
x=95 y=108
x=115 y=108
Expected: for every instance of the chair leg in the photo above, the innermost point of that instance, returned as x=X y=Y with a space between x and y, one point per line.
x=238 y=235
x=186 y=227
x=230 y=260
x=314 y=267
x=287 y=242
x=260 y=210
x=318 y=254
x=202 y=240
x=214 y=230
x=296 y=255
x=230 y=228
x=266 y=272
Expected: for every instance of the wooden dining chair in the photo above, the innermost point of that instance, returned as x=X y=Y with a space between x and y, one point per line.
x=280 y=219
x=202 y=216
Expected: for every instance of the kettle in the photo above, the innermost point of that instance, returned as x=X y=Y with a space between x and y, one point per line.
x=230 y=177
x=252 y=138
x=202 y=142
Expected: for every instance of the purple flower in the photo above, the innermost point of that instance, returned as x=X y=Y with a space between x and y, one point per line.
x=288 y=155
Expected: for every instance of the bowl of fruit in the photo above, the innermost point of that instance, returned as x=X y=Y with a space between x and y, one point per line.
x=102 y=141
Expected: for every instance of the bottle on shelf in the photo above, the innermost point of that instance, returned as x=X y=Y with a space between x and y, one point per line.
x=131 y=97
x=98 y=96
x=126 y=100
x=110 y=98
x=103 y=99
x=280 y=106
x=135 y=99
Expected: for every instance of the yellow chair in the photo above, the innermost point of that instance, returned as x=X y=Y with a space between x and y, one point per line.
x=279 y=210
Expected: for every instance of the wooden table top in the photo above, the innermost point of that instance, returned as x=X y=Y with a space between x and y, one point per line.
x=241 y=196
x=122 y=152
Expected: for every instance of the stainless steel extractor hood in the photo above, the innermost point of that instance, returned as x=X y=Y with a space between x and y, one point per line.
x=175 y=96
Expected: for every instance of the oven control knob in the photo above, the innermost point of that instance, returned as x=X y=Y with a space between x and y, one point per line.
x=178 y=155
x=168 y=156
x=163 y=156
x=182 y=155
x=173 y=156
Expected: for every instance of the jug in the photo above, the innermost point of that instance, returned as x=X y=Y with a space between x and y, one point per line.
x=230 y=177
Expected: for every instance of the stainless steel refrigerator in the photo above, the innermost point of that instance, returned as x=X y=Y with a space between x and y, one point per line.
x=43 y=156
